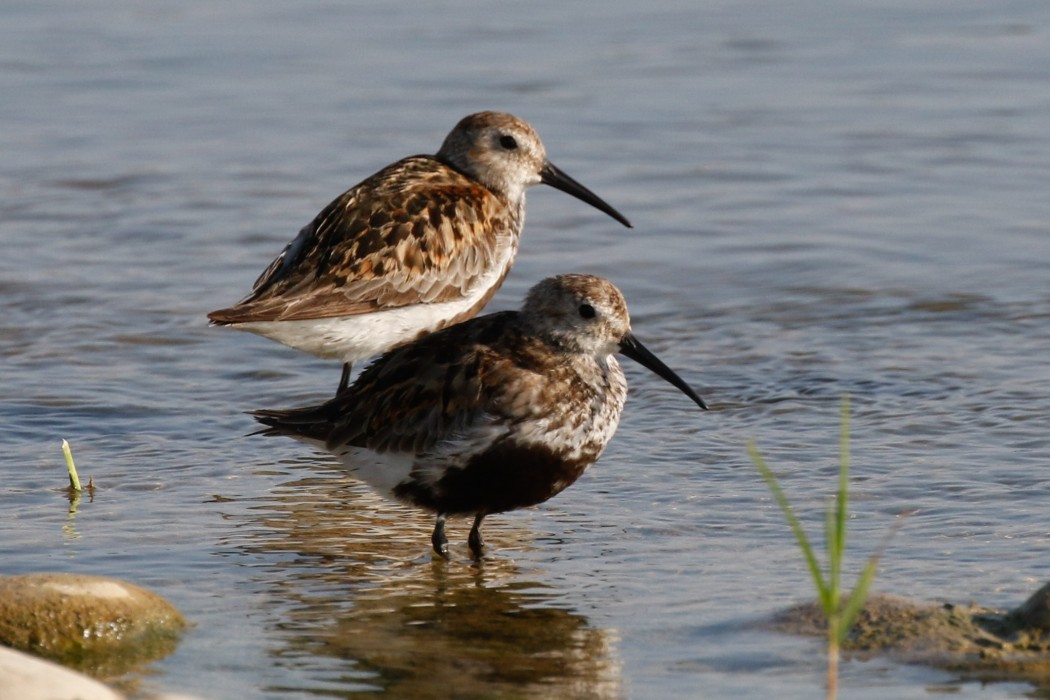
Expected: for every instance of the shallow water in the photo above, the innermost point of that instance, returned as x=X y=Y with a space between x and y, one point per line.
x=826 y=201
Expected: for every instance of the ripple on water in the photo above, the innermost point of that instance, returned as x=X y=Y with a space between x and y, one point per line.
x=880 y=233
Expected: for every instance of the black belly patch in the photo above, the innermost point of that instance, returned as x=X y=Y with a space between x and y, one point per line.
x=504 y=477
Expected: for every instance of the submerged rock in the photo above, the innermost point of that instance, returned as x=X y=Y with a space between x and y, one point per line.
x=101 y=626
x=975 y=641
x=25 y=677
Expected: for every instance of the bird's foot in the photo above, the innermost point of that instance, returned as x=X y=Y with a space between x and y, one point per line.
x=476 y=543
x=438 y=538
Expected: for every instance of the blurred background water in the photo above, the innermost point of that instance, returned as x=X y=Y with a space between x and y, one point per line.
x=827 y=199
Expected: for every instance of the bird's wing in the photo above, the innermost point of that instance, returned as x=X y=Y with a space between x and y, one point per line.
x=416 y=232
x=439 y=389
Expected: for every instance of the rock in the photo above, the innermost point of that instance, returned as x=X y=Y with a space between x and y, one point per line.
x=1034 y=613
x=101 y=626
x=25 y=677
x=974 y=641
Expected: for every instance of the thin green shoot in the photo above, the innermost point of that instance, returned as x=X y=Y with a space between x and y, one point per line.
x=840 y=614
x=74 y=480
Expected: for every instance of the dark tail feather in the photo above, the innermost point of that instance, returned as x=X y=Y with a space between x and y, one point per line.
x=313 y=422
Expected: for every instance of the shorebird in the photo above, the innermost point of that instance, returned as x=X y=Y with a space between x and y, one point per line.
x=500 y=412
x=420 y=245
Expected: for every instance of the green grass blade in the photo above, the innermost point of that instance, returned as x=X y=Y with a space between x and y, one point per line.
x=859 y=595
x=842 y=497
x=793 y=522
x=835 y=546
x=856 y=599
x=840 y=614
x=74 y=480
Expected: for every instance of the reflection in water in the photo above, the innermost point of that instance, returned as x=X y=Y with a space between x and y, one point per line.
x=350 y=578
x=70 y=528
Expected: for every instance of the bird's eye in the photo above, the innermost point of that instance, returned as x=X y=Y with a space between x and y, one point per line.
x=586 y=311
x=508 y=142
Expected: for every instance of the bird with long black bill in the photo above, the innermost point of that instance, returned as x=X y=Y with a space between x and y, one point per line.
x=422 y=244
x=497 y=413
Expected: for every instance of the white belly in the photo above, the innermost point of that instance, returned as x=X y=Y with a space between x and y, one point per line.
x=353 y=338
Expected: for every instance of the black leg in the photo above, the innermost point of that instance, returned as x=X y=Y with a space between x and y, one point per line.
x=438 y=539
x=474 y=540
x=344 y=381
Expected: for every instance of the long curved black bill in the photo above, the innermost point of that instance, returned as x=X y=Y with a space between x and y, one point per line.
x=632 y=348
x=560 y=181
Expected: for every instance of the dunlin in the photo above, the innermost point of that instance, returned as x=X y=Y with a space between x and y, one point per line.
x=420 y=245
x=500 y=412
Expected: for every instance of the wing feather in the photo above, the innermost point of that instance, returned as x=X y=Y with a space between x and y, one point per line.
x=431 y=391
x=416 y=232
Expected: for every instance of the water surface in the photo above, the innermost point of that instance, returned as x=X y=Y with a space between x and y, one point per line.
x=827 y=200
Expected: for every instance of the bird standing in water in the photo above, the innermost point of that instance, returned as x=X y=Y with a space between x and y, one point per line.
x=500 y=412
x=422 y=244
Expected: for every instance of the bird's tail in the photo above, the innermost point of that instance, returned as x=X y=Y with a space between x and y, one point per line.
x=310 y=423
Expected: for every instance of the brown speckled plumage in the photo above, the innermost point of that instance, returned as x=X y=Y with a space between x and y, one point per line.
x=422 y=244
x=500 y=412
x=418 y=231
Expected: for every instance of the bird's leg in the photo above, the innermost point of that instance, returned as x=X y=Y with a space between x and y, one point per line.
x=438 y=539
x=344 y=381
x=474 y=540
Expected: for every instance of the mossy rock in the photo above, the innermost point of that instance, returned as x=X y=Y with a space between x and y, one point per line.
x=101 y=626
x=975 y=641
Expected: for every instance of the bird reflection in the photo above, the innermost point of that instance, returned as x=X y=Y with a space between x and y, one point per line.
x=359 y=611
